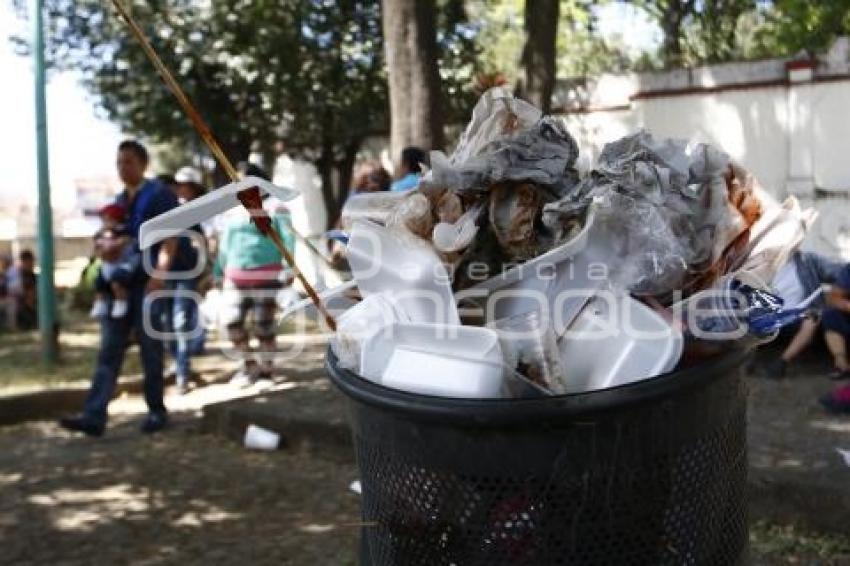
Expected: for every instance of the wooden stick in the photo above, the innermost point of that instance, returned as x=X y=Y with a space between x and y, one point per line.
x=251 y=201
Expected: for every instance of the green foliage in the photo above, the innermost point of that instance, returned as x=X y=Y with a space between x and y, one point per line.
x=459 y=59
x=714 y=33
x=711 y=31
x=255 y=70
x=309 y=72
x=790 y=545
x=793 y=25
x=580 y=49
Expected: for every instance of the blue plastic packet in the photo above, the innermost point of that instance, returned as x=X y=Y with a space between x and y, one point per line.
x=338 y=235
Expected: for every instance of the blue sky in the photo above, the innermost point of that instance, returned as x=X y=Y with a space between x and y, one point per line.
x=82 y=145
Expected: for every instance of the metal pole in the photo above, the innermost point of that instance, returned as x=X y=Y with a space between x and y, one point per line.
x=46 y=293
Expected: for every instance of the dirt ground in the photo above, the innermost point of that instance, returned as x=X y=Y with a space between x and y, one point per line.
x=183 y=497
x=176 y=498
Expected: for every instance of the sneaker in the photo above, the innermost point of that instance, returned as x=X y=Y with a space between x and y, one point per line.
x=82 y=424
x=154 y=422
x=119 y=309
x=182 y=386
x=99 y=309
x=775 y=369
x=839 y=374
x=245 y=377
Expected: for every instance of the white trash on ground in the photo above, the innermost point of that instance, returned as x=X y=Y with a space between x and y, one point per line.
x=259 y=438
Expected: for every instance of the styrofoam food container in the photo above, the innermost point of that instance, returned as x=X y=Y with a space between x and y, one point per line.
x=382 y=261
x=431 y=373
x=357 y=324
x=597 y=352
x=470 y=342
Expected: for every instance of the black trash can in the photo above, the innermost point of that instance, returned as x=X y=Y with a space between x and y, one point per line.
x=648 y=473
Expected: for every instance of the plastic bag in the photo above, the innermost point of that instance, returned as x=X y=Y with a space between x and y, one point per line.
x=506 y=140
x=543 y=154
x=667 y=218
x=496 y=114
x=375 y=207
x=412 y=215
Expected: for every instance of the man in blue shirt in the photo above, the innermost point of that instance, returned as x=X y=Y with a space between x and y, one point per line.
x=410 y=170
x=143 y=199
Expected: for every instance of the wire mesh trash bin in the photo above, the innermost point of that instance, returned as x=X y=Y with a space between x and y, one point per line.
x=648 y=473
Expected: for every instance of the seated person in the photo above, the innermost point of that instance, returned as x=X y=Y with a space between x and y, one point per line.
x=8 y=316
x=804 y=273
x=119 y=263
x=836 y=324
x=21 y=287
x=410 y=170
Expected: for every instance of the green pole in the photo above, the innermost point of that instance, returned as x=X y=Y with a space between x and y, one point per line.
x=46 y=294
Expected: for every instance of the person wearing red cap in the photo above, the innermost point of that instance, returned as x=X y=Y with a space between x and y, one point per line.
x=118 y=263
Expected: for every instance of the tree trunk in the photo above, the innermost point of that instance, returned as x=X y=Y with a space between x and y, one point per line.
x=426 y=124
x=325 y=167
x=671 y=46
x=673 y=17
x=344 y=173
x=411 y=50
x=538 y=54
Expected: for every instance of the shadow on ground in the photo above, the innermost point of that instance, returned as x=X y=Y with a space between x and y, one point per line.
x=179 y=497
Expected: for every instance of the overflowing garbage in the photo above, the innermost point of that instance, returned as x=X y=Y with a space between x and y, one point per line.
x=506 y=274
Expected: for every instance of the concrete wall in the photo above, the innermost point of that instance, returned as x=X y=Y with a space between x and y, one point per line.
x=64 y=249
x=787 y=121
x=750 y=125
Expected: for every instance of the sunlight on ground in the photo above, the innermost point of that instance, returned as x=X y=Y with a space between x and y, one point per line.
x=82 y=510
x=22 y=370
x=315 y=529
x=833 y=425
x=6 y=479
x=211 y=515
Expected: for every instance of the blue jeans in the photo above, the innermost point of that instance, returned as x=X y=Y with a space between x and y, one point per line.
x=114 y=338
x=182 y=320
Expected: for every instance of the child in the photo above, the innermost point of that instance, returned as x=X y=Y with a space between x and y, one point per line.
x=118 y=263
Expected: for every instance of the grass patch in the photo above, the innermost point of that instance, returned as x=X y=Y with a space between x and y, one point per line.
x=21 y=368
x=786 y=544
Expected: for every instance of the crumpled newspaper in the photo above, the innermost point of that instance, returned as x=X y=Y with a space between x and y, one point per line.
x=507 y=140
x=774 y=238
x=665 y=215
x=496 y=113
